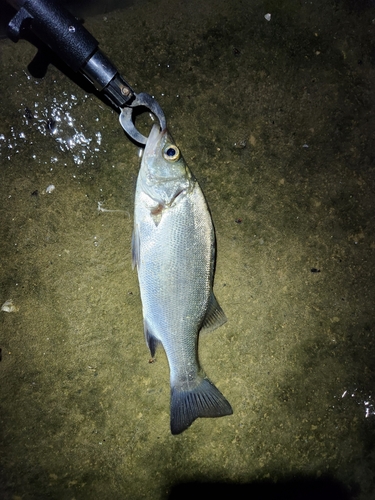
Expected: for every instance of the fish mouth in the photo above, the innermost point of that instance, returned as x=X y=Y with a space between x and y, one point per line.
x=153 y=141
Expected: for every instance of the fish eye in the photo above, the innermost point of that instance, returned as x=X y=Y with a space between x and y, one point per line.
x=171 y=153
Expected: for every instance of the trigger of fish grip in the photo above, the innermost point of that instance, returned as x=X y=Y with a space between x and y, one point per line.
x=126 y=116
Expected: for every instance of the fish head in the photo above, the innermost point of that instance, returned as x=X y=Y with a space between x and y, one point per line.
x=164 y=174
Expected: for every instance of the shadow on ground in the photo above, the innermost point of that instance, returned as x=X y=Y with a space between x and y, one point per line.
x=299 y=488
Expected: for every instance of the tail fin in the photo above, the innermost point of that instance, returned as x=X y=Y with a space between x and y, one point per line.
x=204 y=401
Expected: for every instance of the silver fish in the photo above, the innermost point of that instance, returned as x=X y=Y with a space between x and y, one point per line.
x=173 y=248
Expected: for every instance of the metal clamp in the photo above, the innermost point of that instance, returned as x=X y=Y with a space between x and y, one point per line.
x=126 y=116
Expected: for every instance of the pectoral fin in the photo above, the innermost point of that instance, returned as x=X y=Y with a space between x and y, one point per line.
x=215 y=316
x=135 y=247
x=156 y=213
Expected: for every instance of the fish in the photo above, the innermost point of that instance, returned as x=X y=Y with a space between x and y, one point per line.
x=173 y=250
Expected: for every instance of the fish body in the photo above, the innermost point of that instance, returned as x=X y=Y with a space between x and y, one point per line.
x=173 y=248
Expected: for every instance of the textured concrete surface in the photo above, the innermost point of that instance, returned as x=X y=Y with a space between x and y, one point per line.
x=276 y=120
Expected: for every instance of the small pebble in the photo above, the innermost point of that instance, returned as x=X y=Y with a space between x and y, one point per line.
x=9 y=307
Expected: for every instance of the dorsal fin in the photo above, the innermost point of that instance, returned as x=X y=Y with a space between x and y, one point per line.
x=215 y=316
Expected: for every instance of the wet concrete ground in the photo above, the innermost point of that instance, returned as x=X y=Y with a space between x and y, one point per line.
x=276 y=120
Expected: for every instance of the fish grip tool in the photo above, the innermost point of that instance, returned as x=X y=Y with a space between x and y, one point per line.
x=65 y=35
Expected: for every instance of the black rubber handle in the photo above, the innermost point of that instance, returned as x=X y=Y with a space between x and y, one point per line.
x=57 y=28
x=67 y=38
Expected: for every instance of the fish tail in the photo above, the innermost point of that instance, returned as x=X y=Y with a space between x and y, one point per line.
x=205 y=400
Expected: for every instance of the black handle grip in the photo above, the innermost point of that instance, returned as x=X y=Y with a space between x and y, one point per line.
x=57 y=28
x=66 y=36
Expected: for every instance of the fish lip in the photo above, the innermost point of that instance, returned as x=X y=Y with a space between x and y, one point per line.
x=172 y=200
x=160 y=179
x=154 y=140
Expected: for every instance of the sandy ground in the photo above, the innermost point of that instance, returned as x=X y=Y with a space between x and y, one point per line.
x=276 y=120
